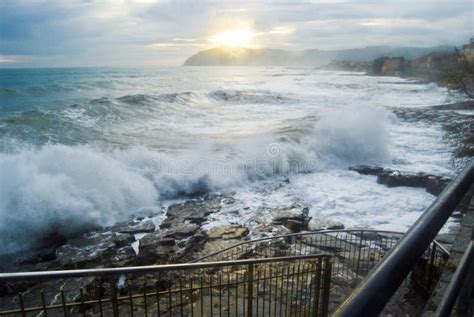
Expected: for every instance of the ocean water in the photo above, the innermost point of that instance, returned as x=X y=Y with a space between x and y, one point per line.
x=90 y=147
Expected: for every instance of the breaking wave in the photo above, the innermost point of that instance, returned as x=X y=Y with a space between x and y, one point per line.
x=64 y=189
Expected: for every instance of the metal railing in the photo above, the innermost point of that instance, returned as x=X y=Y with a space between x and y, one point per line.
x=376 y=290
x=280 y=286
x=460 y=286
x=355 y=253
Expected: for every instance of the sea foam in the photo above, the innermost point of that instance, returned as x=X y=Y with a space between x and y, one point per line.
x=65 y=189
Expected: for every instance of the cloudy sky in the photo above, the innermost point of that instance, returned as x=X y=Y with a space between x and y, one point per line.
x=146 y=32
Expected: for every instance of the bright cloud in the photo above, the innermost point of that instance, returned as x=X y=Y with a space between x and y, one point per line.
x=146 y=32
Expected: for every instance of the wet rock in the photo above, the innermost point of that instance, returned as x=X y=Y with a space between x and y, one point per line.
x=432 y=183
x=367 y=170
x=212 y=246
x=38 y=256
x=191 y=211
x=153 y=249
x=166 y=242
x=336 y=226
x=122 y=240
x=134 y=228
x=90 y=249
x=52 y=293
x=181 y=231
x=227 y=232
x=294 y=218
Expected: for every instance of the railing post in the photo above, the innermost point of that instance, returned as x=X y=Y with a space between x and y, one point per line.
x=431 y=266
x=465 y=295
x=360 y=251
x=326 y=286
x=317 y=288
x=250 y=290
x=377 y=288
x=113 y=299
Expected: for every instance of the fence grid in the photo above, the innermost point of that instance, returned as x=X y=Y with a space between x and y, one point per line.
x=284 y=286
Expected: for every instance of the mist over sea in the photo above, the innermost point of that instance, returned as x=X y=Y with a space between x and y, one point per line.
x=88 y=147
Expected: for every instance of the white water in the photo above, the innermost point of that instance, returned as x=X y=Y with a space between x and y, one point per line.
x=191 y=131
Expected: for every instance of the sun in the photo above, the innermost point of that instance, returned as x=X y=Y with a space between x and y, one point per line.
x=234 y=38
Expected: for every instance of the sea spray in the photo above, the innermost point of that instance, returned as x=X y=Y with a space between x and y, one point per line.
x=71 y=187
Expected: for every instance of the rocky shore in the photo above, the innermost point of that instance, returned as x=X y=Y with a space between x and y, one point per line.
x=455 y=119
x=183 y=233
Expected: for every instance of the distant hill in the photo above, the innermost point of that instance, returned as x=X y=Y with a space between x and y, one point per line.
x=227 y=56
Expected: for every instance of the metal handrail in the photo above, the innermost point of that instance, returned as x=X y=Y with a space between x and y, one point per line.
x=300 y=234
x=456 y=284
x=375 y=291
x=193 y=285
x=5 y=277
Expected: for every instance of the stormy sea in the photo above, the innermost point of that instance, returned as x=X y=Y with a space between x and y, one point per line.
x=90 y=147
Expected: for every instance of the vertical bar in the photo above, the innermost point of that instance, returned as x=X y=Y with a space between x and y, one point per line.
x=181 y=297
x=130 y=300
x=301 y=289
x=297 y=286
x=276 y=293
x=264 y=289
x=431 y=267
x=170 y=303
x=43 y=302
x=287 y=289
x=258 y=295
x=360 y=252
x=144 y=300
x=63 y=300
x=100 y=303
x=317 y=288
x=191 y=296
x=281 y=290
x=250 y=290
x=220 y=294
x=326 y=287
x=158 y=299
x=237 y=294
x=210 y=295
x=292 y=288
x=228 y=294
x=202 y=297
x=310 y=295
x=113 y=293
x=270 y=271
x=22 y=305
x=83 y=306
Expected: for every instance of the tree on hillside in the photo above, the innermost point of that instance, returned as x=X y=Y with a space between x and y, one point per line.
x=461 y=77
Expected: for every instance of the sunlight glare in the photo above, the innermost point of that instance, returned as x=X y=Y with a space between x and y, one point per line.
x=233 y=38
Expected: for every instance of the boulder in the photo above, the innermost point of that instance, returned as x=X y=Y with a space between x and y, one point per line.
x=181 y=231
x=94 y=249
x=294 y=218
x=134 y=228
x=52 y=294
x=195 y=211
x=91 y=247
x=155 y=248
x=227 y=232
x=432 y=183
x=122 y=240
